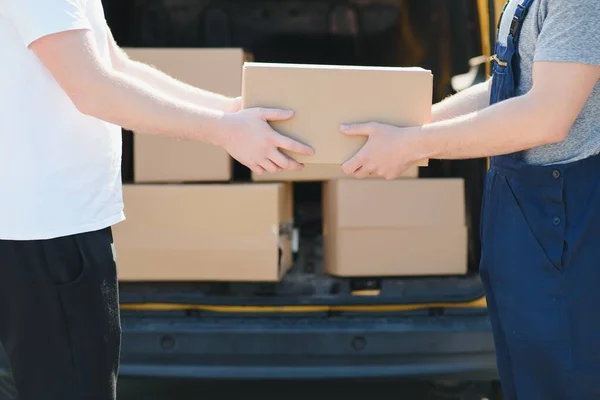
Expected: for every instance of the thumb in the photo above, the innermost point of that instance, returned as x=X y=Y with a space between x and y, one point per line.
x=274 y=114
x=357 y=129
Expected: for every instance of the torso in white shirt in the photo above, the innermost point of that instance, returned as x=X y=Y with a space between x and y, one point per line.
x=59 y=169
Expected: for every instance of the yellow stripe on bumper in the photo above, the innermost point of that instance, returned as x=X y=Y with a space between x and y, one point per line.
x=479 y=303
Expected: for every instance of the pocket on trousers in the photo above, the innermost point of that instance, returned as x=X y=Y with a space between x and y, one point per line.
x=526 y=284
x=529 y=230
x=64 y=260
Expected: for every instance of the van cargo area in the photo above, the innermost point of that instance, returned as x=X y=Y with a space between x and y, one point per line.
x=437 y=35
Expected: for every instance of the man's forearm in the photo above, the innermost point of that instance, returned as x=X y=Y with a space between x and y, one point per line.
x=174 y=88
x=135 y=105
x=513 y=125
x=472 y=99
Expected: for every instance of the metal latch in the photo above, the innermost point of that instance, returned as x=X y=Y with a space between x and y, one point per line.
x=499 y=61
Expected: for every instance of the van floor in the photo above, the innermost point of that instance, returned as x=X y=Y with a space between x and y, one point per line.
x=307 y=284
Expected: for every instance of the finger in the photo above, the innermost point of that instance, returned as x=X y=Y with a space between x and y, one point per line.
x=269 y=166
x=274 y=114
x=370 y=168
x=395 y=173
x=361 y=173
x=286 y=143
x=358 y=129
x=284 y=162
x=353 y=164
x=257 y=169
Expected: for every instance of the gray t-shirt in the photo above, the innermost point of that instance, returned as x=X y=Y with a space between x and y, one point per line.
x=567 y=31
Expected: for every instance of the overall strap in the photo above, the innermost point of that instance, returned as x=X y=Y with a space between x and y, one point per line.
x=500 y=19
x=517 y=20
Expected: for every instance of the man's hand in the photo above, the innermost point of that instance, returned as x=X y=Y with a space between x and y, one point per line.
x=388 y=153
x=249 y=139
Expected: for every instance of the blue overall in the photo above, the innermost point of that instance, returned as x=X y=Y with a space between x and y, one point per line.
x=540 y=263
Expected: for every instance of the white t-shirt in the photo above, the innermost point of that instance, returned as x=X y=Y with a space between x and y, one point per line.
x=59 y=169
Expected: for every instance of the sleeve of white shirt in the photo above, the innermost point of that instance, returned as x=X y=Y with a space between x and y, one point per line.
x=35 y=19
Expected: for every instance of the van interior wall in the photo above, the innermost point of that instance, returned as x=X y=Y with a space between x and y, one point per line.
x=439 y=35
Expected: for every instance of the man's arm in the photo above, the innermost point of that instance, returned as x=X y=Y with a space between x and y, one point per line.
x=98 y=90
x=566 y=69
x=102 y=92
x=475 y=98
x=167 y=84
x=544 y=115
x=565 y=72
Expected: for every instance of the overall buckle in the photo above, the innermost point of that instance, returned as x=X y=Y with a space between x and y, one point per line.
x=518 y=18
x=498 y=60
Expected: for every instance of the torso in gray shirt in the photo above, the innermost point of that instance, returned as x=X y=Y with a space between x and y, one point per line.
x=562 y=31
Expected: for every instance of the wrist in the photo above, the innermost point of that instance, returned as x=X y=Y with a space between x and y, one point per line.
x=232 y=105
x=423 y=143
x=220 y=129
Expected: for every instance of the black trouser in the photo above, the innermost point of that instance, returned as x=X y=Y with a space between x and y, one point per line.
x=59 y=316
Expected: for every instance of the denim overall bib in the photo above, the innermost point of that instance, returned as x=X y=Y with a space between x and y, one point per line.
x=540 y=263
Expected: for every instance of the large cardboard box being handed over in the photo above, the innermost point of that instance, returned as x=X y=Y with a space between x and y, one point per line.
x=325 y=96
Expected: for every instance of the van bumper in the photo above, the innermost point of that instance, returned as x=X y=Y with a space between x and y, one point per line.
x=456 y=347
x=452 y=347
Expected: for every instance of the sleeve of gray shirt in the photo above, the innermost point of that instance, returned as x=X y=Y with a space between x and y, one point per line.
x=570 y=32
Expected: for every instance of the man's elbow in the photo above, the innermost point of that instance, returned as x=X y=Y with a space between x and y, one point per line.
x=120 y=60
x=555 y=127
x=556 y=135
x=551 y=122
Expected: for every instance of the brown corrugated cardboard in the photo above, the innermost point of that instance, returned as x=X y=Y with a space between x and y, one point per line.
x=324 y=97
x=319 y=172
x=398 y=228
x=161 y=159
x=398 y=252
x=205 y=232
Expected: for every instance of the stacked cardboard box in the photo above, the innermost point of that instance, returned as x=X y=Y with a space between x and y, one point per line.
x=161 y=159
x=398 y=228
x=205 y=232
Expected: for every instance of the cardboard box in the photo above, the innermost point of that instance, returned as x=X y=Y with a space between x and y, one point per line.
x=407 y=227
x=319 y=172
x=324 y=97
x=162 y=159
x=205 y=232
